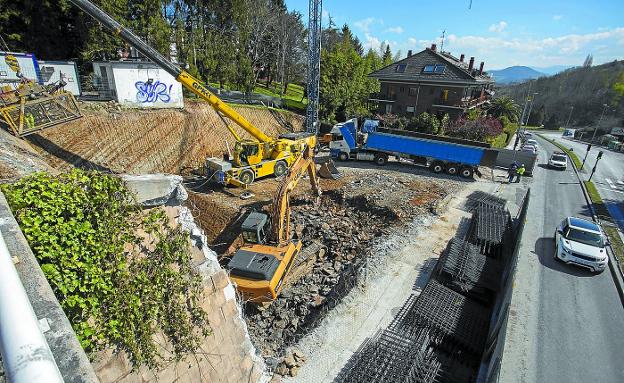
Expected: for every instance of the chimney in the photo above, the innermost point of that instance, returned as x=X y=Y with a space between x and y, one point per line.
x=461 y=58
x=471 y=64
x=433 y=47
x=481 y=68
x=409 y=53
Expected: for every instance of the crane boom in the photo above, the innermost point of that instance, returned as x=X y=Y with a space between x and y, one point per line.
x=180 y=75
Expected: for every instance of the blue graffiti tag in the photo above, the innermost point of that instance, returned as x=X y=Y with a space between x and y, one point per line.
x=152 y=91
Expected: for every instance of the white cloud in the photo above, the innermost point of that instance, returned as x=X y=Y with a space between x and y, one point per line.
x=412 y=41
x=564 y=49
x=499 y=27
x=365 y=24
x=557 y=17
x=397 y=29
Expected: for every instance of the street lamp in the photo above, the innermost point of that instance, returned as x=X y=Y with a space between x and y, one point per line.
x=604 y=109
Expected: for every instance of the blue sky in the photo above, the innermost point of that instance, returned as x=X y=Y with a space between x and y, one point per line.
x=502 y=33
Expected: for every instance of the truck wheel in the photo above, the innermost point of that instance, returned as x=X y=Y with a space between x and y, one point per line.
x=280 y=168
x=452 y=169
x=466 y=172
x=343 y=156
x=437 y=167
x=381 y=159
x=246 y=176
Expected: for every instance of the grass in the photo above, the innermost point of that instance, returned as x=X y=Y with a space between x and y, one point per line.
x=601 y=210
x=292 y=98
x=572 y=155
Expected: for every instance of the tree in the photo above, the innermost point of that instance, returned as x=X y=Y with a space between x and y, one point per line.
x=589 y=60
x=504 y=106
x=552 y=122
x=386 y=58
x=537 y=116
x=481 y=129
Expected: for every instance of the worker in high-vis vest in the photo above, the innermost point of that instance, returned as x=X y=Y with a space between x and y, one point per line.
x=519 y=173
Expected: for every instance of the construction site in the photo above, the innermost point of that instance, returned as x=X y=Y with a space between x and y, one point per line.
x=314 y=266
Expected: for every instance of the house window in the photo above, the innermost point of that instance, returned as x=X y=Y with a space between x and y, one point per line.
x=410 y=109
x=388 y=108
x=413 y=91
x=402 y=89
x=434 y=68
x=400 y=68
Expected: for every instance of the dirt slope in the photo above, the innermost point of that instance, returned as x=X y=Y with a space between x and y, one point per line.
x=137 y=141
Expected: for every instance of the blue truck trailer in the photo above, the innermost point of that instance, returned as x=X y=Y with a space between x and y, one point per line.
x=440 y=154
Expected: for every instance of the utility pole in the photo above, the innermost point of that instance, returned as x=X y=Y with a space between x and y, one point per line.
x=530 y=108
x=526 y=101
x=567 y=125
x=604 y=108
x=442 y=43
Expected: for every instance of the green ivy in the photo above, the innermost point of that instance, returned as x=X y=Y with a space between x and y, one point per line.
x=121 y=274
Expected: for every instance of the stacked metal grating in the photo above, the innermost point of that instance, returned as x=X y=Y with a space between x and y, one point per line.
x=457 y=324
x=477 y=198
x=463 y=268
x=490 y=229
x=393 y=358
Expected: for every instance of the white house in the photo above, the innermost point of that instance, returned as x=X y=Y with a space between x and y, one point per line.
x=138 y=84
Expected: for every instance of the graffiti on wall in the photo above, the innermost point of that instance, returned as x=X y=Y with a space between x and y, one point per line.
x=152 y=91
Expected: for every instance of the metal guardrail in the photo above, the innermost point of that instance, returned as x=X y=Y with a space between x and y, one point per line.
x=25 y=353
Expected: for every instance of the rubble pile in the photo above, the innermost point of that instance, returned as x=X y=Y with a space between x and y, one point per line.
x=347 y=225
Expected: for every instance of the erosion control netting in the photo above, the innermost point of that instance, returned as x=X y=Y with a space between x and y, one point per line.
x=463 y=268
x=490 y=229
x=457 y=324
x=477 y=198
x=392 y=357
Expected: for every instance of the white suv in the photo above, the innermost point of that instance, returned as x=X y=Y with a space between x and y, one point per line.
x=581 y=242
x=558 y=160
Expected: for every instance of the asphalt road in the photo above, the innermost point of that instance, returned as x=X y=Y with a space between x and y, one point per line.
x=609 y=176
x=566 y=324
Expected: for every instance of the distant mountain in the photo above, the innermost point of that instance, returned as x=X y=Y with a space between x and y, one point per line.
x=551 y=70
x=515 y=74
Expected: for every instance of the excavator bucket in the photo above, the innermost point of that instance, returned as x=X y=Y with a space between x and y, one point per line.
x=329 y=171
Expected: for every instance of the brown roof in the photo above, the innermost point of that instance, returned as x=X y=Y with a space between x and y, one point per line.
x=455 y=71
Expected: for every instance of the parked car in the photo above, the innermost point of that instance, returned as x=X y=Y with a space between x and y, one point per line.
x=558 y=160
x=582 y=243
x=531 y=141
x=529 y=148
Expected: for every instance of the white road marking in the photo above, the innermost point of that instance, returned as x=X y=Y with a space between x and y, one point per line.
x=621 y=182
x=611 y=190
x=611 y=183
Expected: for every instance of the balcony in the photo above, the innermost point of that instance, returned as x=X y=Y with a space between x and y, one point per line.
x=382 y=97
x=465 y=103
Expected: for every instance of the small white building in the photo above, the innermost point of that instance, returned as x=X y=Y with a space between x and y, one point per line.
x=53 y=71
x=138 y=84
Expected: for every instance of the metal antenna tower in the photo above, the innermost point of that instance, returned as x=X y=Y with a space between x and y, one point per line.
x=442 y=43
x=314 y=64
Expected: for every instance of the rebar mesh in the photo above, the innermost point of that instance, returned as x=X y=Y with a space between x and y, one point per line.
x=392 y=357
x=478 y=197
x=465 y=269
x=490 y=229
x=456 y=323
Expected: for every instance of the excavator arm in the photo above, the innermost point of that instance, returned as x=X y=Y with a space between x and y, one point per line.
x=281 y=202
x=188 y=81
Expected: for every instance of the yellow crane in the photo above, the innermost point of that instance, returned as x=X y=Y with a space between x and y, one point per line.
x=260 y=267
x=252 y=158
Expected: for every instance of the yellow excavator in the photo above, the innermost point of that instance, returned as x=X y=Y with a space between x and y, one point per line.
x=260 y=268
x=252 y=158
